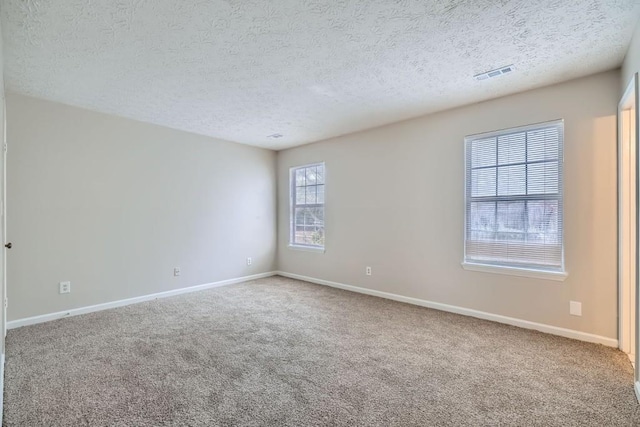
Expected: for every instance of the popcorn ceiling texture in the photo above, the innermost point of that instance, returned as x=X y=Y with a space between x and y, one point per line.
x=308 y=69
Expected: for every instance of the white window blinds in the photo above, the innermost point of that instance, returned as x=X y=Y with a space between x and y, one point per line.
x=307 y=206
x=514 y=208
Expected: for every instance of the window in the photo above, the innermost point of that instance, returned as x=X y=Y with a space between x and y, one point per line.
x=514 y=203
x=307 y=206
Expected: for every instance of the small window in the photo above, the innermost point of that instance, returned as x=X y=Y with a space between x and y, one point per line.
x=307 y=206
x=514 y=202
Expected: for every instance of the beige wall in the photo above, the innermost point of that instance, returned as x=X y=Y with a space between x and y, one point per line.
x=395 y=202
x=113 y=205
x=631 y=62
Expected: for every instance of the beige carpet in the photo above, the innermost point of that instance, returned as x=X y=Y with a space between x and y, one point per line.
x=279 y=352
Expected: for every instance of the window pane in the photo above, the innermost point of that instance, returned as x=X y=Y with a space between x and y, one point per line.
x=309 y=226
x=483 y=182
x=543 y=144
x=482 y=216
x=483 y=152
x=300 y=177
x=311 y=195
x=300 y=195
x=543 y=219
x=511 y=148
x=299 y=216
x=314 y=226
x=298 y=226
x=299 y=219
x=315 y=216
x=512 y=180
x=511 y=221
x=320 y=174
x=311 y=176
x=308 y=217
x=543 y=178
x=320 y=195
x=482 y=221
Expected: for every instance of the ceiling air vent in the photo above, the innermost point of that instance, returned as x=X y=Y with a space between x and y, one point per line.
x=494 y=73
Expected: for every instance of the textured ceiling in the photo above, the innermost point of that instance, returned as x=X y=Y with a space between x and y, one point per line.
x=241 y=70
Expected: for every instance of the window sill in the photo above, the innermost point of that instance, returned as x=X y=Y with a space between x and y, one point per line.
x=558 y=276
x=303 y=248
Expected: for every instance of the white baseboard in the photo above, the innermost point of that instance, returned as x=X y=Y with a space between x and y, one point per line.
x=113 y=304
x=554 y=330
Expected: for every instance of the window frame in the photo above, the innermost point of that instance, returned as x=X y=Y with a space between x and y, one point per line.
x=505 y=267
x=292 y=209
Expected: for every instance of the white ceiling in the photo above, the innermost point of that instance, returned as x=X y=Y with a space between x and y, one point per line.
x=241 y=70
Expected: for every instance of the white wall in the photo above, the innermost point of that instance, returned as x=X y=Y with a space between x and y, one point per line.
x=113 y=205
x=395 y=201
x=631 y=62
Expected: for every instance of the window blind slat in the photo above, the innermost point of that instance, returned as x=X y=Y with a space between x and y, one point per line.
x=484 y=152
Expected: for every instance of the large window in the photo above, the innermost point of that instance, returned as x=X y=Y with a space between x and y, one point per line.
x=514 y=203
x=307 y=206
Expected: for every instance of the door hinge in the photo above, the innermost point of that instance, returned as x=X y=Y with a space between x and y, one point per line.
x=6 y=303
x=5 y=147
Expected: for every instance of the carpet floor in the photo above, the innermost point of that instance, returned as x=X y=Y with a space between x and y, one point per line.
x=280 y=352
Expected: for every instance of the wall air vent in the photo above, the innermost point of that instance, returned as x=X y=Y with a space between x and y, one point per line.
x=494 y=73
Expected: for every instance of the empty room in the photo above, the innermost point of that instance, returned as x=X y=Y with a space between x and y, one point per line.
x=319 y=213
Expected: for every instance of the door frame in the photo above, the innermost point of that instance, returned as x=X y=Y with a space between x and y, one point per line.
x=627 y=218
x=629 y=251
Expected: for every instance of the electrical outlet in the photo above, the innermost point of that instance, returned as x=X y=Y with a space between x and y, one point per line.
x=575 y=308
x=65 y=287
x=249 y=261
x=368 y=271
x=176 y=271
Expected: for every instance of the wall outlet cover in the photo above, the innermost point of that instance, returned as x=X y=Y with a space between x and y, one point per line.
x=64 y=287
x=575 y=308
